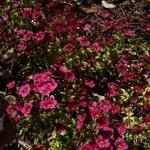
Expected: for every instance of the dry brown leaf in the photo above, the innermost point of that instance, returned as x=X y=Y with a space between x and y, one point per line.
x=92 y=9
x=108 y=5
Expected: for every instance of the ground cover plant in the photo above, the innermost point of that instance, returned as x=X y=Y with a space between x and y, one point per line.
x=75 y=78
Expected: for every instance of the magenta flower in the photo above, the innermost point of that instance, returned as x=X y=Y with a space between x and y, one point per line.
x=70 y=76
x=84 y=42
x=22 y=46
x=128 y=32
x=69 y=47
x=26 y=12
x=39 y=36
x=50 y=86
x=95 y=112
x=48 y=103
x=102 y=142
x=26 y=109
x=11 y=85
x=45 y=88
x=10 y=110
x=17 y=118
x=56 y=22
x=106 y=15
x=95 y=47
x=103 y=122
x=51 y=4
x=113 y=90
x=81 y=117
x=120 y=144
x=147 y=27
x=90 y=83
x=24 y=90
x=138 y=88
x=88 y=146
x=42 y=76
x=107 y=26
x=20 y=31
x=87 y=27
x=121 y=129
x=118 y=24
x=105 y=105
x=147 y=120
x=28 y=36
x=79 y=126
x=37 y=14
x=63 y=69
x=115 y=109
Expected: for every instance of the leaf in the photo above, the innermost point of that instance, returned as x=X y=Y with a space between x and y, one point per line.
x=2 y=94
x=22 y=143
x=107 y=5
x=92 y=9
x=10 y=99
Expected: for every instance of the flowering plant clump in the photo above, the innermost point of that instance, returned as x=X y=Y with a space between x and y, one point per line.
x=82 y=80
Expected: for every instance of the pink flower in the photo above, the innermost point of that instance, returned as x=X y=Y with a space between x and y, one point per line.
x=105 y=105
x=87 y=146
x=11 y=85
x=79 y=126
x=128 y=32
x=69 y=47
x=118 y=24
x=84 y=42
x=24 y=90
x=20 y=31
x=45 y=88
x=26 y=12
x=28 y=36
x=90 y=83
x=147 y=27
x=120 y=144
x=115 y=109
x=83 y=104
x=39 y=36
x=81 y=118
x=56 y=22
x=70 y=76
x=17 y=118
x=95 y=47
x=106 y=15
x=113 y=90
x=63 y=69
x=37 y=14
x=107 y=26
x=48 y=103
x=138 y=88
x=103 y=122
x=51 y=4
x=147 y=120
x=26 y=109
x=87 y=27
x=102 y=142
x=95 y=112
x=42 y=76
x=121 y=129
x=22 y=46
x=10 y=110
